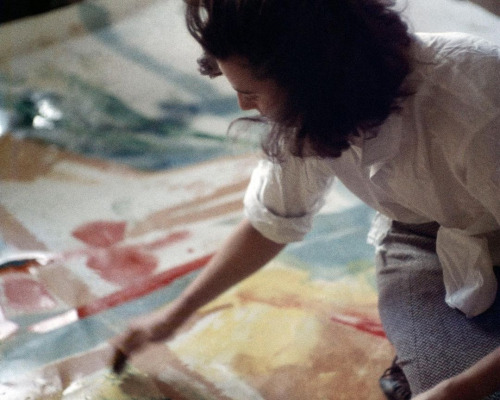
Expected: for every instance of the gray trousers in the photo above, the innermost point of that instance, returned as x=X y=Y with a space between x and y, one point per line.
x=432 y=341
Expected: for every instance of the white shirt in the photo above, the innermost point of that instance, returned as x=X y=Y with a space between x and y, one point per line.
x=437 y=159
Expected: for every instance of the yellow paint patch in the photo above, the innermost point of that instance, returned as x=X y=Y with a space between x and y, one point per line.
x=291 y=287
x=273 y=333
x=256 y=338
x=104 y=385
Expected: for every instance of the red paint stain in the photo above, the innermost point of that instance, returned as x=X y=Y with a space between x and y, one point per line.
x=360 y=323
x=168 y=240
x=142 y=287
x=101 y=233
x=122 y=265
x=25 y=294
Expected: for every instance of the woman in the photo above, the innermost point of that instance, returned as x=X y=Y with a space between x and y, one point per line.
x=410 y=124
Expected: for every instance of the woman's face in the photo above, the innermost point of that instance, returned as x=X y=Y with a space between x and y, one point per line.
x=263 y=95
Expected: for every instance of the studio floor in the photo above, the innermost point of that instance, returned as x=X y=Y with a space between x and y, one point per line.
x=117 y=185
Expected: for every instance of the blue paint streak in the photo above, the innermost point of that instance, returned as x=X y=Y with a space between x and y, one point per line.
x=335 y=242
x=28 y=351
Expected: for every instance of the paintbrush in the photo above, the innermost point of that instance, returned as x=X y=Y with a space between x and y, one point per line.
x=119 y=361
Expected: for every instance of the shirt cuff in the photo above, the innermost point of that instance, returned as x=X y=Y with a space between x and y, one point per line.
x=277 y=228
x=469 y=279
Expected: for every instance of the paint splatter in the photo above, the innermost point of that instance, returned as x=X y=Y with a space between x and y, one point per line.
x=361 y=323
x=123 y=265
x=25 y=294
x=142 y=288
x=101 y=233
x=168 y=240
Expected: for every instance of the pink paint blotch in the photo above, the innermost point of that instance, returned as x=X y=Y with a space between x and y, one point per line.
x=169 y=240
x=122 y=265
x=25 y=294
x=101 y=233
x=142 y=287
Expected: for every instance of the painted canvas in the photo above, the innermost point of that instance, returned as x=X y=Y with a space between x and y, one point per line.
x=121 y=242
x=118 y=183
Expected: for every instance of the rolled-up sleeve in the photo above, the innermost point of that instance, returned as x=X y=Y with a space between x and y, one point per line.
x=282 y=198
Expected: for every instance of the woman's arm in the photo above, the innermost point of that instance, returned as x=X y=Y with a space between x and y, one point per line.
x=245 y=251
x=477 y=382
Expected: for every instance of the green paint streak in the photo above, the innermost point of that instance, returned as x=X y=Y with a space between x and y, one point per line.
x=86 y=119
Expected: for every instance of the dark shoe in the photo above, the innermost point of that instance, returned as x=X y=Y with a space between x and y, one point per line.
x=394 y=384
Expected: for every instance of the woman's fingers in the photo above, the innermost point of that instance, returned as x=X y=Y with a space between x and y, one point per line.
x=125 y=345
x=148 y=328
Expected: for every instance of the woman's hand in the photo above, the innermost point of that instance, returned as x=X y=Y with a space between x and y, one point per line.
x=243 y=253
x=141 y=331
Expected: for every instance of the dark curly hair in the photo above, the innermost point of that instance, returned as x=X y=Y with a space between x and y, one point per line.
x=341 y=63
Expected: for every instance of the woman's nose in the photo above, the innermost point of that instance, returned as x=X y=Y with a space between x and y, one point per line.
x=245 y=103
